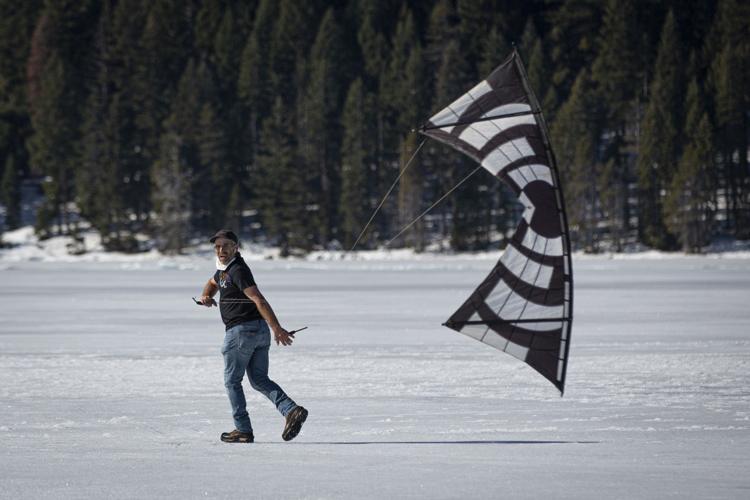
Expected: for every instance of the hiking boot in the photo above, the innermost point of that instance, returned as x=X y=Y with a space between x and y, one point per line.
x=294 y=421
x=237 y=437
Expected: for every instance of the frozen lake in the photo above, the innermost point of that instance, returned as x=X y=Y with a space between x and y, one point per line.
x=111 y=385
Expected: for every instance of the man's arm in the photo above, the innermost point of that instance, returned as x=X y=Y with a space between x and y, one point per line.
x=264 y=308
x=207 y=297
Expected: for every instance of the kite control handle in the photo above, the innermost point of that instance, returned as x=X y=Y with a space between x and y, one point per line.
x=198 y=302
x=297 y=330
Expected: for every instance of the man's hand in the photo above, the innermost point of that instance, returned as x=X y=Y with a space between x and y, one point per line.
x=208 y=301
x=282 y=336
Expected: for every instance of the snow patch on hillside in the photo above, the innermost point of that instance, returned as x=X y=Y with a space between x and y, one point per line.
x=22 y=245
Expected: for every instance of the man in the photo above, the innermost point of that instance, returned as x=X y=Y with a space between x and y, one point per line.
x=247 y=316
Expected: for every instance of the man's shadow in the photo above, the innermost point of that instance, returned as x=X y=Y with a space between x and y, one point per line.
x=472 y=442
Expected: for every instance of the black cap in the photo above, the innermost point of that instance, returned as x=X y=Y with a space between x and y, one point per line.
x=225 y=233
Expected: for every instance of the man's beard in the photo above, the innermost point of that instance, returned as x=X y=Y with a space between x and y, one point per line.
x=223 y=267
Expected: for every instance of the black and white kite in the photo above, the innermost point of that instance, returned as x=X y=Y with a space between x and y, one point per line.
x=525 y=305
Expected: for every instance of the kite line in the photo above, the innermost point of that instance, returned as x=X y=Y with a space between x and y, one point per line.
x=388 y=193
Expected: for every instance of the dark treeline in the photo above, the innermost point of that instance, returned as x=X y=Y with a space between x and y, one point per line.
x=289 y=120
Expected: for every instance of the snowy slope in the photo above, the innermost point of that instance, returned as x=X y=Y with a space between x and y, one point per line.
x=24 y=246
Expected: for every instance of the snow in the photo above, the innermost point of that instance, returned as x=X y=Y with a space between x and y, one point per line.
x=111 y=383
x=24 y=246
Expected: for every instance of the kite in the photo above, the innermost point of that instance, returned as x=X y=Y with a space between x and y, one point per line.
x=524 y=307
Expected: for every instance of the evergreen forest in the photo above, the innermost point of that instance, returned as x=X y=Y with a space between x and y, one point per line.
x=288 y=120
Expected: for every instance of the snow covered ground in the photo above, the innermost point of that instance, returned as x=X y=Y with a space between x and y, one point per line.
x=111 y=384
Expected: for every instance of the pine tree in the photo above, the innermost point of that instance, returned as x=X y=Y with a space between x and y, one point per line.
x=214 y=167
x=731 y=79
x=10 y=190
x=538 y=69
x=375 y=45
x=59 y=47
x=17 y=21
x=205 y=143
x=661 y=137
x=254 y=82
x=112 y=179
x=226 y=64
x=616 y=69
x=356 y=163
x=394 y=96
x=181 y=190
x=495 y=50
x=227 y=52
x=234 y=207
x=254 y=88
x=691 y=202
x=412 y=181
x=574 y=135
x=281 y=182
x=472 y=15
x=321 y=132
x=393 y=86
x=617 y=74
x=163 y=47
x=16 y=28
x=195 y=147
x=96 y=179
x=442 y=28
x=171 y=193
x=207 y=21
x=129 y=19
x=529 y=38
x=575 y=25
x=410 y=195
x=50 y=147
x=436 y=159
x=293 y=33
x=373 y=42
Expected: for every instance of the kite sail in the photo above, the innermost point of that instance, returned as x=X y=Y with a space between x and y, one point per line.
x=525 y=305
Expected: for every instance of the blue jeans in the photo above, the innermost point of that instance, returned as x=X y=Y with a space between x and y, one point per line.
x=246 y=349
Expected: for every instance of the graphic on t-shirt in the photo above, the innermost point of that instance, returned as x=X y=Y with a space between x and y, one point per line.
x=224 y=279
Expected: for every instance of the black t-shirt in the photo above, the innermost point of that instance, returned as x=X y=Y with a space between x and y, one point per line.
x=231 y=283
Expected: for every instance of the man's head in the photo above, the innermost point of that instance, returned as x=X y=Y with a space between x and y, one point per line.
x=226 y=244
